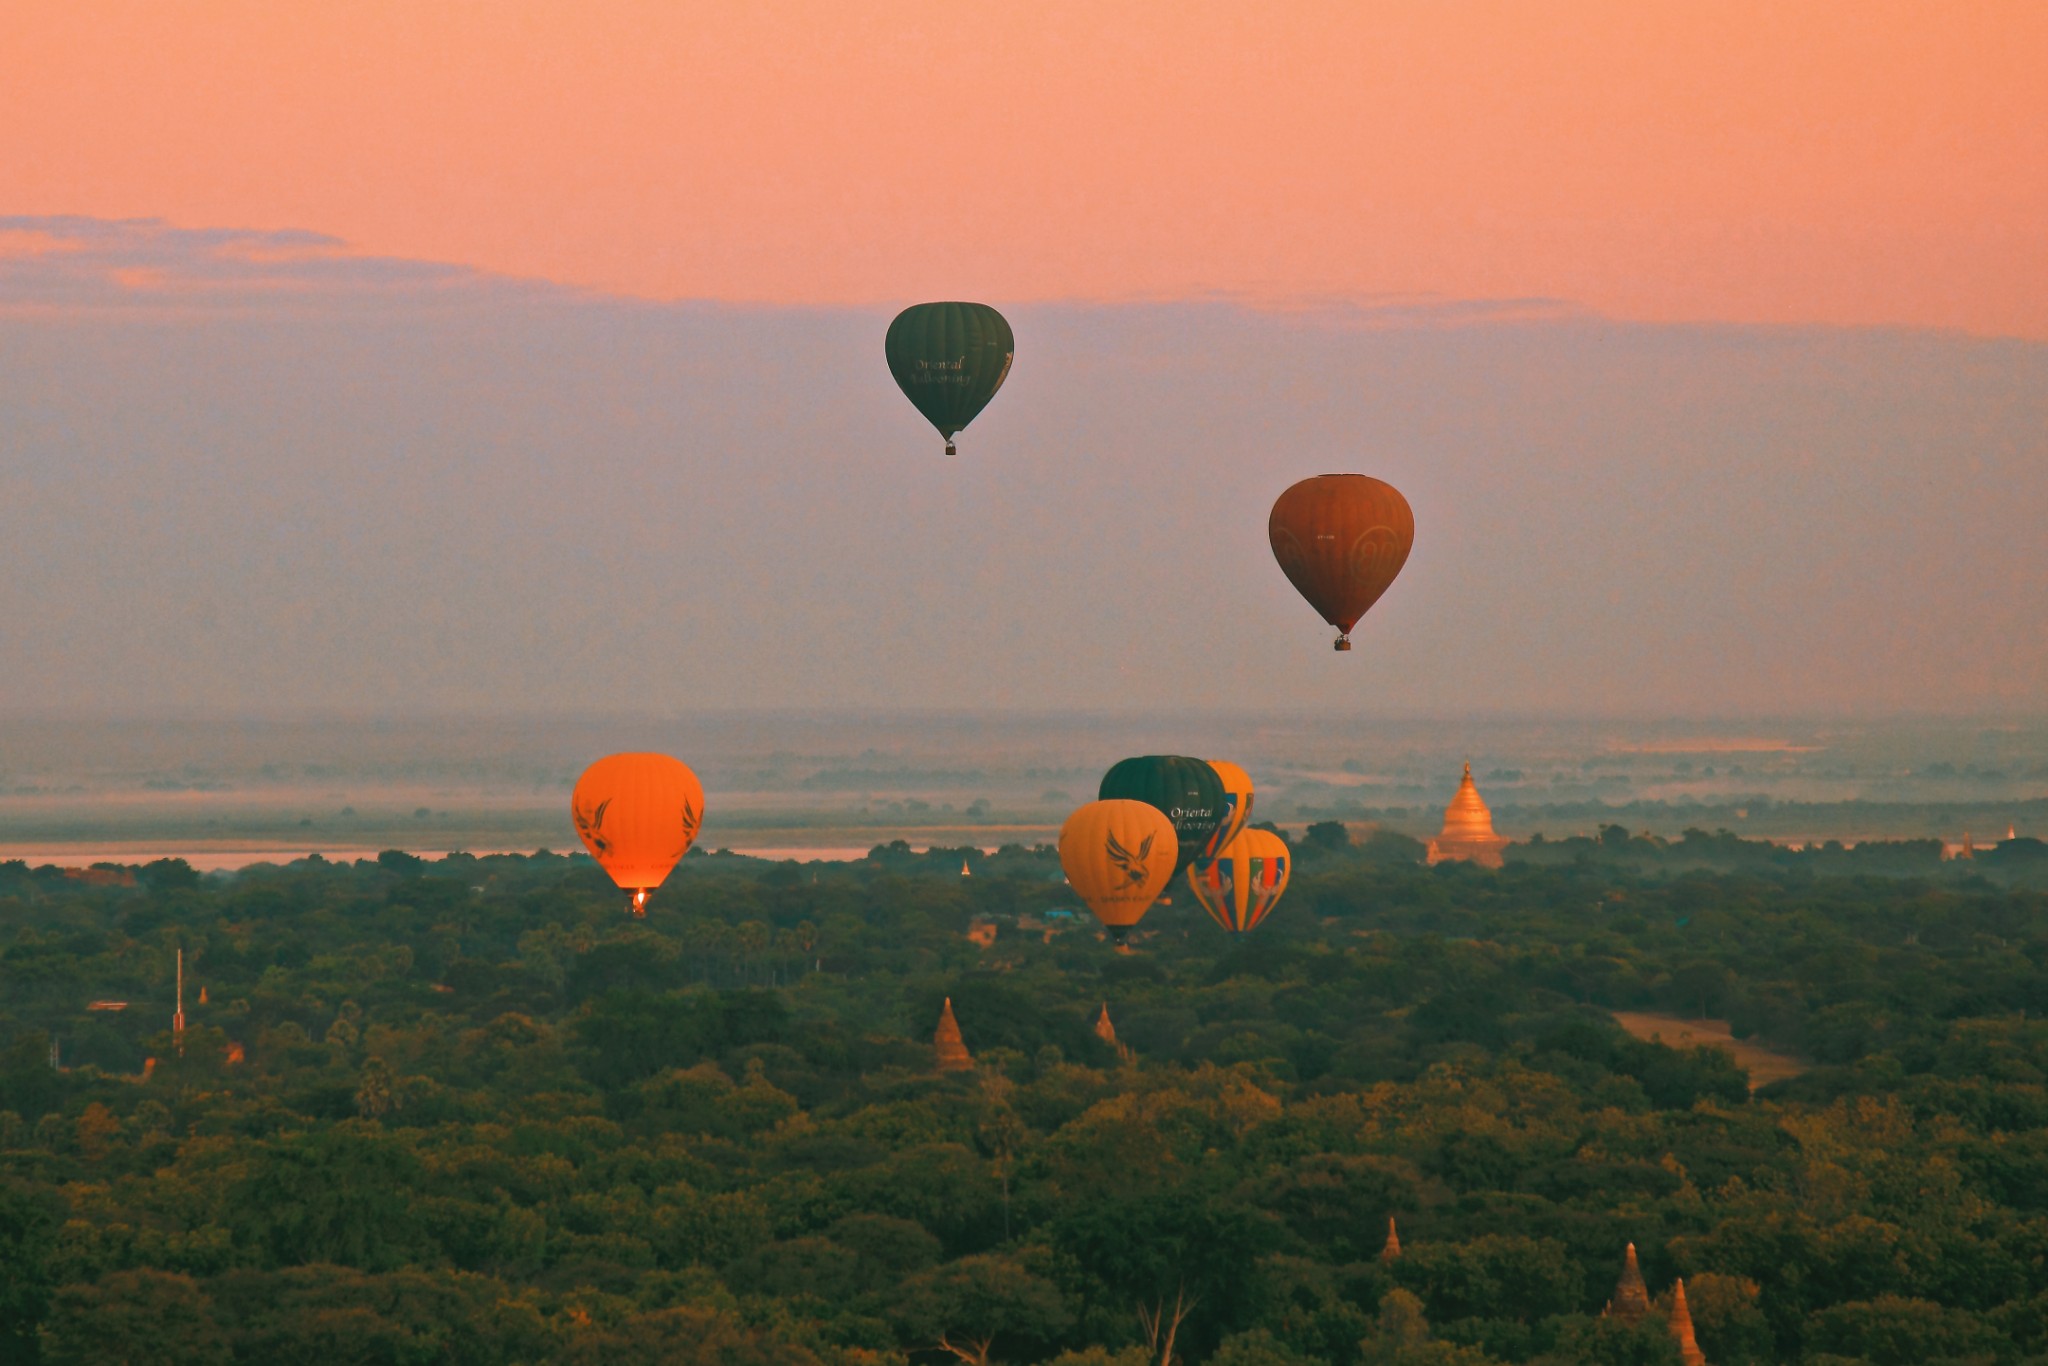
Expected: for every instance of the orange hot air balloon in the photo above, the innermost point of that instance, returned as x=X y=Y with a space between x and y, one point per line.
x=1237 y=791
x=1119 y=856
x=637 y=814
x=1243 y=884
x=1340 y=540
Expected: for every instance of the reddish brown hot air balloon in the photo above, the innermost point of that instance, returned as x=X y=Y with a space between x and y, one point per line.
x=1341 y=539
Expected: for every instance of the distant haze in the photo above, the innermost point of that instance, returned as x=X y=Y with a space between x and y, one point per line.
x=226 y=792
x=273 y=478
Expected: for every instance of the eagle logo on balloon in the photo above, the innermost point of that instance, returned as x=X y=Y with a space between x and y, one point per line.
x=589 y=825
x=1132 y=866
x=690 y=821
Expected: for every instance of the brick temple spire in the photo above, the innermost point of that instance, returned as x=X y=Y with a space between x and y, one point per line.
x=1681 y=1327
x=950 y=1048
x=1631 y=1298
x=1393 y=1247
x=1104 y=1030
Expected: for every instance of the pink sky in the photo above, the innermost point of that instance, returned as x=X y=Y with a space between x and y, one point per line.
x=1859 y=163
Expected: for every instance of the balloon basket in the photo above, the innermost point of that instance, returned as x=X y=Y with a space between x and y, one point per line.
x=1343 y=643
x=951 y=449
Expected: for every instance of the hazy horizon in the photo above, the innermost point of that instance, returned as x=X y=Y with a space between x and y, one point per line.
x=225 y=792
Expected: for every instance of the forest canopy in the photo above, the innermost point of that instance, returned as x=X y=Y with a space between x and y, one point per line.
x=467 y=1110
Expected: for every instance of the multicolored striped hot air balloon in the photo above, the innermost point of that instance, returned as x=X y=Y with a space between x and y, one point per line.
x=1237 y=798
x=1240 y=887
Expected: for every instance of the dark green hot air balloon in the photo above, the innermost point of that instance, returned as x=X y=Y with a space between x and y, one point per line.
x=1189 y=791
x=949 y=360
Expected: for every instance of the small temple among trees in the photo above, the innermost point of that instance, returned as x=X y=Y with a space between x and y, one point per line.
x=1631 y=1303
x=1104 y=1030
x=949 y=1049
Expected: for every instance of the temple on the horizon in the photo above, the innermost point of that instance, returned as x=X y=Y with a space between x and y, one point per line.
x=1468 y=830
x=1970 y=848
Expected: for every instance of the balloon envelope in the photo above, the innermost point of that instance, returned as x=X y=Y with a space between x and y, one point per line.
x=1240 y=887
x=1341 y=539
x=1237 y=797
x=1119 y=857
x=949 y=359
x=1189 y=791
x=637 y=814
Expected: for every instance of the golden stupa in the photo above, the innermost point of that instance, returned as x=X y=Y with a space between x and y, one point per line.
x=1393 y=1245
x=949 y=1048
x=1468 y=830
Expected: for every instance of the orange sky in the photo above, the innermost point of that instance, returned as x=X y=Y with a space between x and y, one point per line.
x=1860 y=162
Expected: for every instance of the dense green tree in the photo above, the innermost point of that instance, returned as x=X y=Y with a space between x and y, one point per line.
x=463 y=1110
x=968 y=1306
x=135 y=1318
x=28 y=1224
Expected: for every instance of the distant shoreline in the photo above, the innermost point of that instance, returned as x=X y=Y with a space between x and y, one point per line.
x=227 y=859
x=231 y=856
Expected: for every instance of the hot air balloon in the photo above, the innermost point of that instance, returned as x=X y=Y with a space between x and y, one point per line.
x=949 y=359
x=1237 y=796
x=637 y=814
x=1119 y=856
x=1241 y=886
x=1341 y=539
x=1189 y=791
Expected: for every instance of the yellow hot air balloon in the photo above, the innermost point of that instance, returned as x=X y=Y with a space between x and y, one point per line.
x=1240 y=887
x=637 y=814
x=1119 y=856
x=1237 y=789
